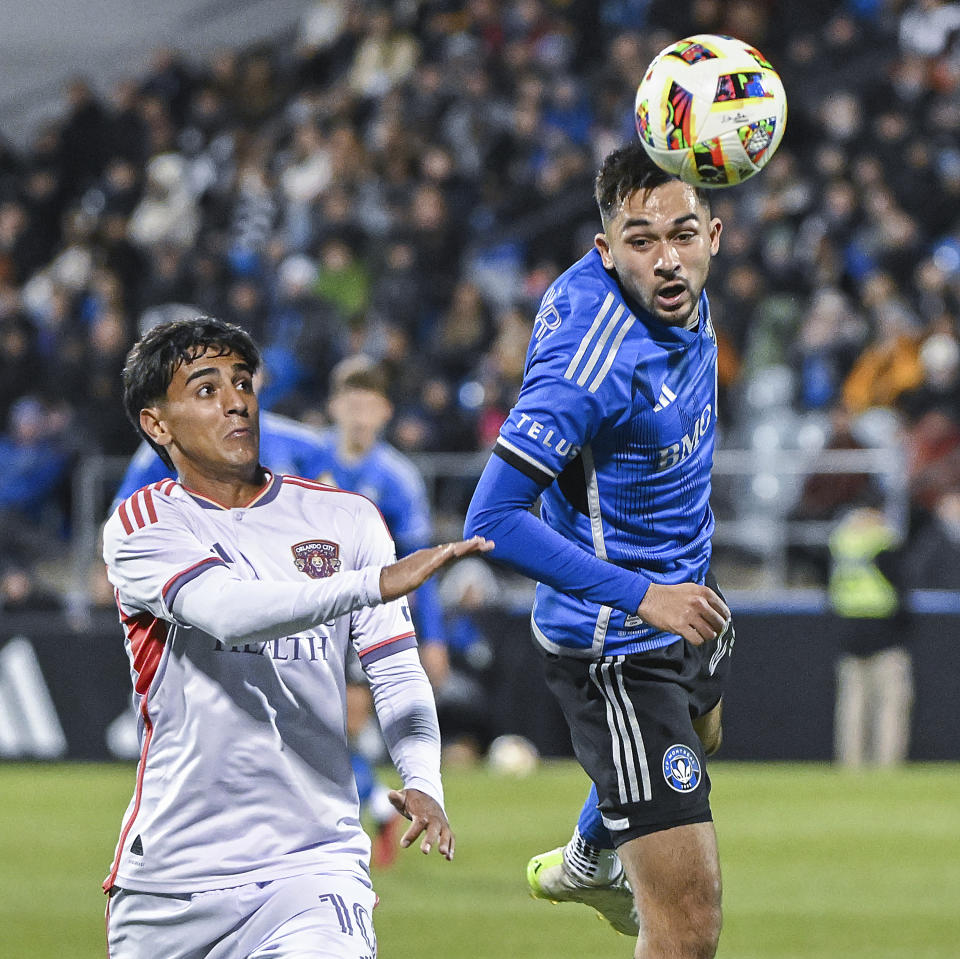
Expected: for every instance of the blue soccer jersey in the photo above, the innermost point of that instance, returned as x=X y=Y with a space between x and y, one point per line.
x=615 y=422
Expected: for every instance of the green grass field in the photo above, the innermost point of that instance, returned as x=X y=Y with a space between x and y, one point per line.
x=818 y=864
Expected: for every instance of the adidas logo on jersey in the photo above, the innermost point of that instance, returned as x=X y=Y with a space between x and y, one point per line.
x=667 y=396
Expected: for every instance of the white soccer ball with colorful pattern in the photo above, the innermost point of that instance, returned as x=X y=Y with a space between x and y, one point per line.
x=711 y=110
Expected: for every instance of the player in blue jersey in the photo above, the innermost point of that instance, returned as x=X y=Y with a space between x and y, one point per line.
x=614 y=431
x=353 y=455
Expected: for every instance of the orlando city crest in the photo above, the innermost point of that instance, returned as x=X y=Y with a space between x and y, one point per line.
x=318 y=558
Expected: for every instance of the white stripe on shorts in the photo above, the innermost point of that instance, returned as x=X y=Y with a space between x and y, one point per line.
x=629 y=755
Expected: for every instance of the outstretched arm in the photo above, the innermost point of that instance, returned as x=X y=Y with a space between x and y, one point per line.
x=234 y=610
x=500 y=511
x=403 y=699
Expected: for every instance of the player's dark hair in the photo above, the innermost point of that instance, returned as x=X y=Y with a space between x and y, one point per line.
x=359 y=372
x=624 y=172
x=154 y=359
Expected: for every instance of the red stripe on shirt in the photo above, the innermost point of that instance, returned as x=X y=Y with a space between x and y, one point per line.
x=148 y=500
x=134 y=502
x=386 y=642
x=127 y=525
x=132 y=512
x=108 y=883
x=147 y=636
x=312 y=484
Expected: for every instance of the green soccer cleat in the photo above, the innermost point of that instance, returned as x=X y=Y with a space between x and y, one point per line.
x=548 y=879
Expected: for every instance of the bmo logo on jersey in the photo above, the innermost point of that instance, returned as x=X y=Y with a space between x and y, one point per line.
x=677 y=452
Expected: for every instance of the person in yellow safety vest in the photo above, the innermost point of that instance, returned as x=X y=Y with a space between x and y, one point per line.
x=874 y=670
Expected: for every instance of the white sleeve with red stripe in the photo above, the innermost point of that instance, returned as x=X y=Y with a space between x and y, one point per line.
x=157 y=563
x=151 y=553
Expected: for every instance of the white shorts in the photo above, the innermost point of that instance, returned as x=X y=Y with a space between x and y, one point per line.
x=306 y=917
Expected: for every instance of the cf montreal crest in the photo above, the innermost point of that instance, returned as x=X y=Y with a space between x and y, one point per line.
x=318 y=558
x=681 y=769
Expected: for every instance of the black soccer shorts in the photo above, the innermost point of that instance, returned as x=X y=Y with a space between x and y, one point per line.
x=631 y=724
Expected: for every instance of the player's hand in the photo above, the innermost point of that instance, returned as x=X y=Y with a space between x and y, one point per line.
x=694 y=612
x=427 y=817
x=414 y=570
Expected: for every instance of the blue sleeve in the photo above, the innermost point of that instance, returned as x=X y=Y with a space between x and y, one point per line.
x=427 y=613
x=406 y=510
x=409 y=524
x=500 y=510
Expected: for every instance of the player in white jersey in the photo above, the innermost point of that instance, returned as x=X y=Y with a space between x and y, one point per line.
x=240 y=591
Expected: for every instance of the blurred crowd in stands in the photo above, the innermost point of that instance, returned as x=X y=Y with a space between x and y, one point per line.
x=404 y=179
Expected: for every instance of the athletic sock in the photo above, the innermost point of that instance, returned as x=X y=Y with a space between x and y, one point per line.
x=590 y=865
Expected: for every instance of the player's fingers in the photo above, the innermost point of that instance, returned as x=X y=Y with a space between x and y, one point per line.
x=476 y=544
x=714 y=622
x=446 y=842
x=413 y=830
x=431 y=837
x=710 y=611
x=718 y=604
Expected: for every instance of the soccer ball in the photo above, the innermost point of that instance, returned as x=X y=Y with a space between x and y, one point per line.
x=711 y=110
x=512 y=755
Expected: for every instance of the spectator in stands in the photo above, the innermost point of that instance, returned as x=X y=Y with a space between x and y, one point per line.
x=874 y=672
x=939 y=388
x=167 y=213
x=386 y=55
x=21 y=365
x=21 y=590
x=35 y=456
x=933 y=556
x=890 y=366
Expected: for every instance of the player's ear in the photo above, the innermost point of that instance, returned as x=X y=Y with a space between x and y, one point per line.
x=154 y=426
x=602 y=244
x=716 y=228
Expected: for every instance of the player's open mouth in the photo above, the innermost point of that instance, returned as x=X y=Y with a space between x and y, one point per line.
x=671 y=295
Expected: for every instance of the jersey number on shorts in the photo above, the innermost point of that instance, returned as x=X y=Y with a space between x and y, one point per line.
x=360 y=917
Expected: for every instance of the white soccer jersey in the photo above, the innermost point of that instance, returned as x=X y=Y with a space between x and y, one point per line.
x=244 y=772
